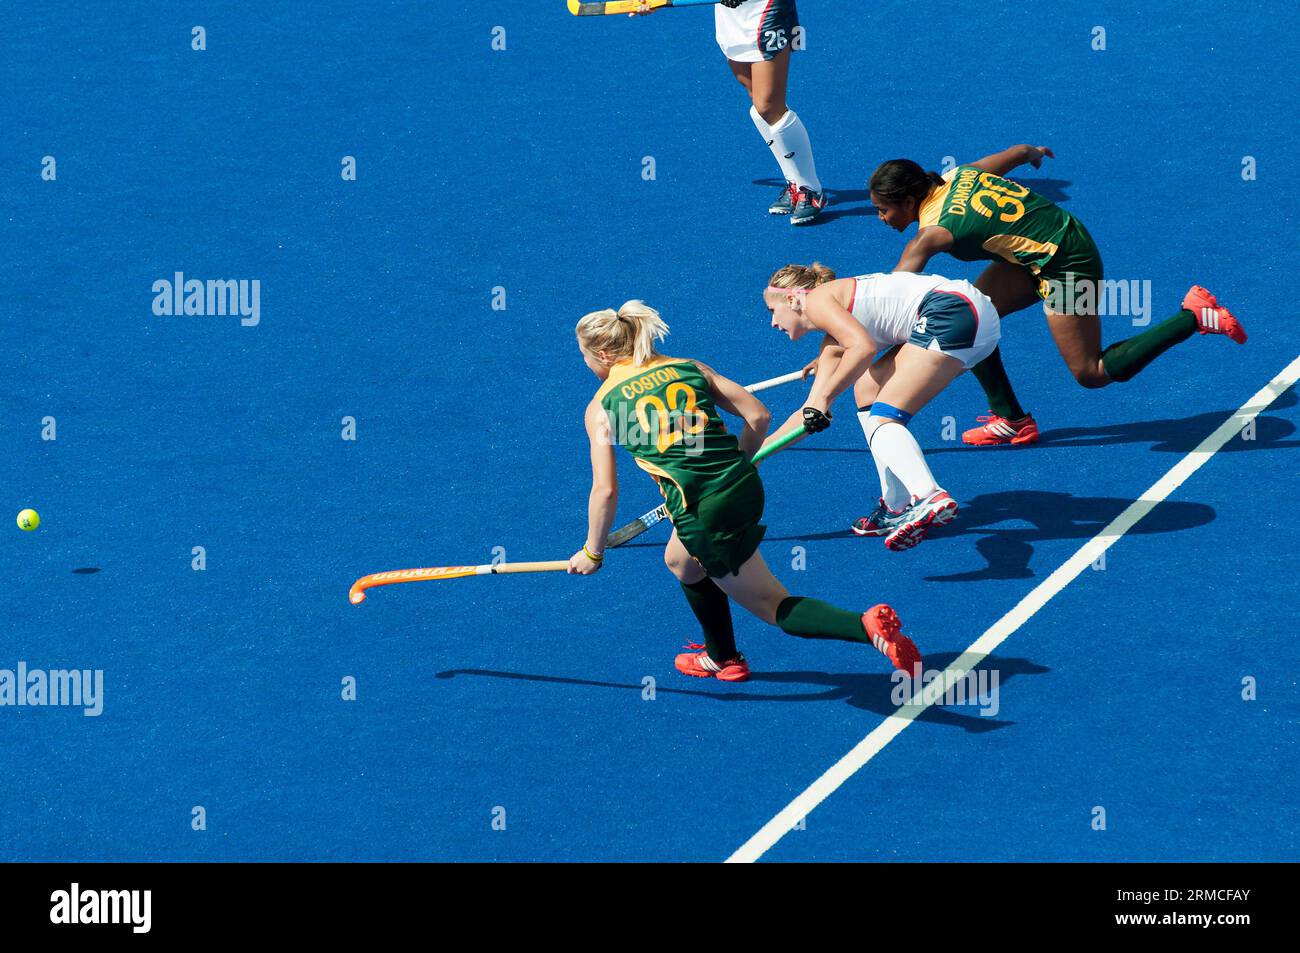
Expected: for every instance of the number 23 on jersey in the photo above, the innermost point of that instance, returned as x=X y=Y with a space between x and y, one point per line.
x=679 y=400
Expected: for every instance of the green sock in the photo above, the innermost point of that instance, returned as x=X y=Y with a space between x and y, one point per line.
x=710 y=605
x=1124 y=359
x=814 y=619
x=997 y=386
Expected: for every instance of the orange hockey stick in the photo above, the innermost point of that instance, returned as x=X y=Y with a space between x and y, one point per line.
x=357 y=594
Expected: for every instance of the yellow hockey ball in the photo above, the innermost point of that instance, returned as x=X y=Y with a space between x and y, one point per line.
x=28 y=520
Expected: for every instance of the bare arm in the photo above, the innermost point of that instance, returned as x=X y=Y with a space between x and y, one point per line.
x=602 y=503
x=734 y=399
x=828 y=345
x=826 y=363
x=928 y=242
x=836 y=376
x=846 y=354
x=1000 y=163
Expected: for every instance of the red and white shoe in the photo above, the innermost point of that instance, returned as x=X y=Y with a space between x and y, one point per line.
x=883 y=627
x=807 y=206
x=1212 y=317
x=880 y=521
x=935 y=510
x=700 y=665
x=998 y=431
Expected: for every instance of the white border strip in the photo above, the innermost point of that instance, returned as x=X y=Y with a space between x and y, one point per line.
x=1000 y=631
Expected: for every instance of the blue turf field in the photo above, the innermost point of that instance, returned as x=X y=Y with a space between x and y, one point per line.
x=522 y=169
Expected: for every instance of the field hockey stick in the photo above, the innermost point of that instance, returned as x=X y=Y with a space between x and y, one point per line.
x=775 y=382
x=357 y=594
x=642 y=523
x=610 y=7
x=780 y=444
x=638 y=526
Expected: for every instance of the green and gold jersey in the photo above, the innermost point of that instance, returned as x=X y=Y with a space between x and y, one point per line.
x=994 y=218
x=664 y=415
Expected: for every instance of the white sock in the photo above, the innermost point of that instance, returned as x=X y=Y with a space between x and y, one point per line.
x=892 y=490
x=893 y=445
x=765 y=131
x=790 y=145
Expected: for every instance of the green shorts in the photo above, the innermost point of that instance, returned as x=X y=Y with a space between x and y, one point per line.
x=1071 y=281
x=723 y=530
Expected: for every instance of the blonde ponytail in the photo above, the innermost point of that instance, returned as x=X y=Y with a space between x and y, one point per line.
x=628 y=334
x=801 y=276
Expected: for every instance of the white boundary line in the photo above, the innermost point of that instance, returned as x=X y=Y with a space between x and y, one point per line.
x=1000 y=631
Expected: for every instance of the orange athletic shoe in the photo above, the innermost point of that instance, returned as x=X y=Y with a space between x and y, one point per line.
x=1211 y=316
x=998 y=430
x=701 y=666
x=886 y=632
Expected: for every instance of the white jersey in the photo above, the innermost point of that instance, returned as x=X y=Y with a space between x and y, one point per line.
x=889 y=308
x=886 y=305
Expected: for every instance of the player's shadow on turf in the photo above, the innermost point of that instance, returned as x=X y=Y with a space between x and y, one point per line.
x=883 y=693
x=1008 y=551
x=1051 y=189
x=1183 y=436
x=877 y=692
x=1178 y=435
x=842 y=203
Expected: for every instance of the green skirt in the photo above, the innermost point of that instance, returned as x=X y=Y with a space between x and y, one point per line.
x=723 y=530
x=1071 y=279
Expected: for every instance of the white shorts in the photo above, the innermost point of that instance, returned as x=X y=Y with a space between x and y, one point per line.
x=756 y=30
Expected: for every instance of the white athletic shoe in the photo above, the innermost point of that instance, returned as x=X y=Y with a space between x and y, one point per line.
x=935 y=510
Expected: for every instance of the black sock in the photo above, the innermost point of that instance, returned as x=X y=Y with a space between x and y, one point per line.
x=713 y=610
x=1124 y=359
x=997 y=387
x=814 y=619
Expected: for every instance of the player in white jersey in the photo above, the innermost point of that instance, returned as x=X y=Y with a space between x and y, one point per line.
x=927 y=330
x=756 y=37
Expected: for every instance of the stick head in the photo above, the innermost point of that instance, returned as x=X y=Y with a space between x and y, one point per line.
x=357 y=594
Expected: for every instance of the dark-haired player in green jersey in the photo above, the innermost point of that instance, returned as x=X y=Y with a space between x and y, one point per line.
x=1039 y=252
x=664 y=411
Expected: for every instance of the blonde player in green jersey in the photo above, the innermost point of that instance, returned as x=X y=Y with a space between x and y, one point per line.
x=665 y=411
x=1039 y=252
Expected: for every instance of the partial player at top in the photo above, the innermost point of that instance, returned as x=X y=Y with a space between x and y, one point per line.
x=757 y=37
